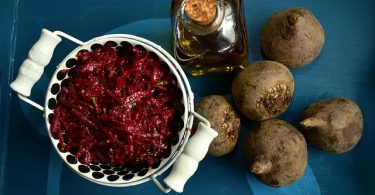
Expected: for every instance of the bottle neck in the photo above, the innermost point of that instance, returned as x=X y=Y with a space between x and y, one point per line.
x=201 y=27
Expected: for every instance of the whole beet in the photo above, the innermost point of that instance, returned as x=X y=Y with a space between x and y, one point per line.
x=276 y=152
x=263 y=90
x=293 y=37
x=224 y=120
x=333 y=125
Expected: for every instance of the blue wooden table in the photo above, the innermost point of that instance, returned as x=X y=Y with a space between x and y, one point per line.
x=346 y=67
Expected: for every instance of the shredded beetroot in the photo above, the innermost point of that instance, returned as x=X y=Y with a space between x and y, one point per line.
x=120 y=107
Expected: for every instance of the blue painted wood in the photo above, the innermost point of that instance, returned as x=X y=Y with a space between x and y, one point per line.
x=346 y=67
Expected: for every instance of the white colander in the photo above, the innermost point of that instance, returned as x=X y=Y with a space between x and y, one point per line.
x=185 y=154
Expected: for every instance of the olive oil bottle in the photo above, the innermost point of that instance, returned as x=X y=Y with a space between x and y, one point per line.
x=209 y=36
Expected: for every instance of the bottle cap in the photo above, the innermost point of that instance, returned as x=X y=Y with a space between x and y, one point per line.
x=202 y=12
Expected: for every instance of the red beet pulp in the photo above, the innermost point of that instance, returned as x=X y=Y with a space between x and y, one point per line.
x=120 y=106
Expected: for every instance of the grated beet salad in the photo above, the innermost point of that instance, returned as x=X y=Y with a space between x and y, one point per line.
x=120 y=106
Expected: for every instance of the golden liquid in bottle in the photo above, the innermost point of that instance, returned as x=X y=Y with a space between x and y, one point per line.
x=224 y=49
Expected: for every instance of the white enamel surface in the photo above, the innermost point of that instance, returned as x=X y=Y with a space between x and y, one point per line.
x=32 y=68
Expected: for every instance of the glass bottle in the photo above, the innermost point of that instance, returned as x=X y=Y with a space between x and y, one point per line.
x=209 y=36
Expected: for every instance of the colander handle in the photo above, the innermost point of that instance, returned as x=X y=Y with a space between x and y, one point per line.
x=194 y=151
x=32 y=68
